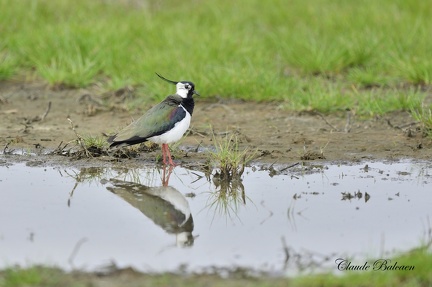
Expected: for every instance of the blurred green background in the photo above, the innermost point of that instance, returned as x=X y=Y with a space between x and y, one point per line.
x=326 y=55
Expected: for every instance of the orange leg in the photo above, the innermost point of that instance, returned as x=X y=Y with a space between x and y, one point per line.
x=165 y=177
x=164 y=153
x=170 y=161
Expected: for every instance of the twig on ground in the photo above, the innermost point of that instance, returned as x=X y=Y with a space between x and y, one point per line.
x=325 y=120
x=290 y=166
x=6 y=148
x=80 y=139
x=59 y=148
x=400 y=127
x=42 y=116
x=196 y=132
x=347 y=128
x=46 y=112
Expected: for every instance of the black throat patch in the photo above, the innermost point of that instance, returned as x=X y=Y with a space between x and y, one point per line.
x=189 y=104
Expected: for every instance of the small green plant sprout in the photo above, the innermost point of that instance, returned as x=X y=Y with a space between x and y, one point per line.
x=93 y=146
x=228 y=159
x=313 y=155
x=95 y=142
x=89 y=146
x=424 y=116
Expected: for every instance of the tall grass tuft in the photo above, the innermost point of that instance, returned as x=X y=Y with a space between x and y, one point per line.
x=228 y=159
x=424 y=116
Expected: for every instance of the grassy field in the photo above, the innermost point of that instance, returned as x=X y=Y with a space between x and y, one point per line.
x=369 y=56
x=420 y=258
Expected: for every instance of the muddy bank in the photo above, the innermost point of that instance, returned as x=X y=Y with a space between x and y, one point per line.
x=34 y=119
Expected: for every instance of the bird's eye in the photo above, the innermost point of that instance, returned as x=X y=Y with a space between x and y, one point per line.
x=188 y=87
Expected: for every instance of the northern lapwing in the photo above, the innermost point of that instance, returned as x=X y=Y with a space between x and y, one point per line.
x=164 y=205
x=163 y=124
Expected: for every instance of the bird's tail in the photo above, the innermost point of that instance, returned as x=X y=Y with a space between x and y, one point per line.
x=131 y=141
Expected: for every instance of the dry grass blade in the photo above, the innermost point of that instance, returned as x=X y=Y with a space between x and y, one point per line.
x=80 y=139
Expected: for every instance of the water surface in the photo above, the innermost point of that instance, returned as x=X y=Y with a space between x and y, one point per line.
x=279 y=222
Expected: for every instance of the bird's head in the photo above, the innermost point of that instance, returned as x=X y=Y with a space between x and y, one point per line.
x=185 y=89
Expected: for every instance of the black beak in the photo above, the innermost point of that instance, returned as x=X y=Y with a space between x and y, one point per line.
x=196 y=93
x=169 y=81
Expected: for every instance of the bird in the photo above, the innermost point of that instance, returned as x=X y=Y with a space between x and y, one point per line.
x=164 y=205
x=164 y=123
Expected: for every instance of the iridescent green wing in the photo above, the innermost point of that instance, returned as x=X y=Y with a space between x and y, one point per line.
x=155 y=121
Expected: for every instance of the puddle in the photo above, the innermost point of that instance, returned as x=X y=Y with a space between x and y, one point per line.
x=277 y=222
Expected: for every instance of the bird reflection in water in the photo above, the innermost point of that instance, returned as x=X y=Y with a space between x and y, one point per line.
x=164 y=205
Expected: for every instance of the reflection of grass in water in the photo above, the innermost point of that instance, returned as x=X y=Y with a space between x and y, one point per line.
x=88 y=175
x=291 y=215
x=229 y=163
x=227 y=199
x=128 y=174
x=148 y=176
x=98 y=175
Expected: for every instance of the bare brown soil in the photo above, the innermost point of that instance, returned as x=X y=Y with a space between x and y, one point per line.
x=34 y=118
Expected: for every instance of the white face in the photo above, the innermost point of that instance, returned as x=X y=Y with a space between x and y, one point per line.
x=183 y=89
x=182 y=239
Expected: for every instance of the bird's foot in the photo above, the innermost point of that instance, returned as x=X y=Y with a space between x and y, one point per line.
x=167 y=155
x=171 y=162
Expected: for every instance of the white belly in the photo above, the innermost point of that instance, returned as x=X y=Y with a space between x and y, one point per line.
x=175 y=133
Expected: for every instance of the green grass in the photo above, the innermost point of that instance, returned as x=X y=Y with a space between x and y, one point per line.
x=420 y=258
x=98 y=142
x=7 y=65
x=424 y=116
x=228 y=159
x=304 y=54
